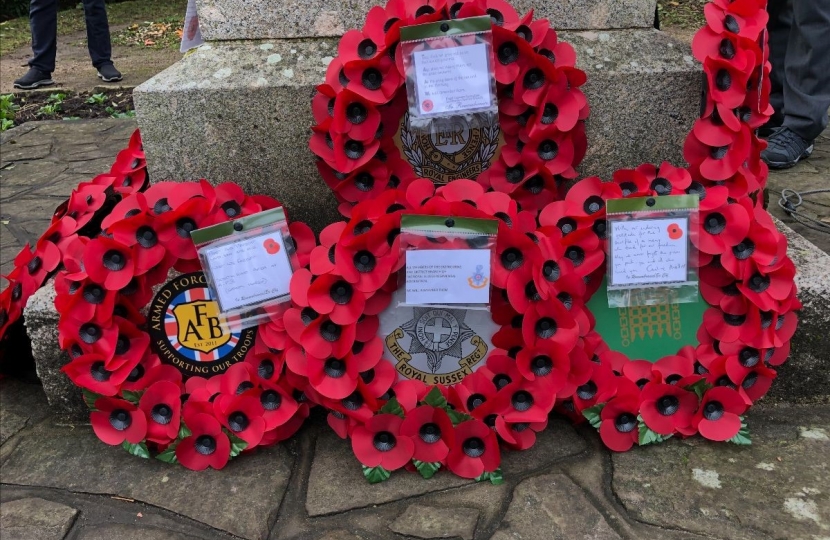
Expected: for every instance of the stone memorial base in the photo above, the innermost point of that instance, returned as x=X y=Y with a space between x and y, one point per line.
x=240 y=111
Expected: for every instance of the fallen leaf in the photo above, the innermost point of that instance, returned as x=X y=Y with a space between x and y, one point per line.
x=149 y=42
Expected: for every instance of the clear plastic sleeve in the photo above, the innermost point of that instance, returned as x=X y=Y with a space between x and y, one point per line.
x=449 y=70
x=447 y=261
x=651 y=255
x=248 y=264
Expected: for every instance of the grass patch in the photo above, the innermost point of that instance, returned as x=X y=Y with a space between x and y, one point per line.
x=686 y=14
x=15 y=33
x=17 y=109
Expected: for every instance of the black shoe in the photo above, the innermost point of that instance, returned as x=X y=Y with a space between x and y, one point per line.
x=108 y=73
x=768 y=129
x=786 y=148
x=33 y=79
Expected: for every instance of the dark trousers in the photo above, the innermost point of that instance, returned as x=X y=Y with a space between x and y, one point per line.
x=799 y=40
x=43 y=19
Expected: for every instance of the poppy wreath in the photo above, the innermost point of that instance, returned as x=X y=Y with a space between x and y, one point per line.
x=541 y=107
x=80 y=215
x=551 y=259
x=106 y=280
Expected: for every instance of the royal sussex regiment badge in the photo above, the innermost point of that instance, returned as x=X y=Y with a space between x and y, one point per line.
x=187 y=331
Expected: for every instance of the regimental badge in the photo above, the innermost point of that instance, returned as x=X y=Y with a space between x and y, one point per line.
x=648 y=322
x=477 y=280
x=437 y=345
x=451 y=148
x=187 y=331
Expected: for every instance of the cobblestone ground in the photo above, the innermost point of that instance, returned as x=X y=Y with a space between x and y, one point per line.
x=59 y=481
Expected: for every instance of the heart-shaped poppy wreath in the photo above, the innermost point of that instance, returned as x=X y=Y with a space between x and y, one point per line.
x=112 y=244
x=551 y=251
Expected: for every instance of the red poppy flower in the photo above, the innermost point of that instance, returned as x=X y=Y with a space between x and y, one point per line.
x=355 y=45
x=550 y=321
x=722 y=228
x=619 y=428
x=473 y=392
x=501 y=13
x=130 y=345
x=91 y=371
x=379 y=443
x=174 y=227
x=115 y=421
x=207 y=446
x=380 y=378
x=323 y=338
x=525 y=401
x=671 y=369
x=84 y=301
x=760 y=246
x=334 y=296
x=109 y=262
x=666 y=408
x=551 y=149
x=431 y=431
x=355 y=116
x=161 y=404
x=150 y=370
x=719 y=416
x=560 y=53
x=84 y=201
x=519 y=435
x=60 y=233
x=242 y=415
x=600 y=387
x=475 y=451
x=277 y=406
x=718 y=163
x=746 y=18
x=514 y=251
x=545 y=360
x=97 y=338
x=138 y=233
x=511 y=53
x=768 y=289
x=335 y=378
x=375 y=79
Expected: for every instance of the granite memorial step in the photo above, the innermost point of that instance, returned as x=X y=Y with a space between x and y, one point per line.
x=240 y=111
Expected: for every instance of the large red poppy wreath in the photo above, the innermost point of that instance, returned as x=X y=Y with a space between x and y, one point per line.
x=551 y=255
x=112 y=242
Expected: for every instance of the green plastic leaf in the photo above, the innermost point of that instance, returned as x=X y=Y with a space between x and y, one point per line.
x=435 y=398
x=742 y=438
x=457 y=417
x=132 y=397
x=427 y=470
x=592 y=414
x=90 y=398
x=494 y=477
x=647 y=436
x=169 y=454
x=699 y=388
x=237 y=444
x=376 y=475
x=184 y=431
x=393 y=407
x=139 y=449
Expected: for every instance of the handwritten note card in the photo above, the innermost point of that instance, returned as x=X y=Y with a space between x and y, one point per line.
x=249 y=271
x=453 y=79
x=459 y=276
x=649 y=251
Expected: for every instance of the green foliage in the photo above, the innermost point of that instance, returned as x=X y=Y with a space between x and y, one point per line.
x=169 y=453
x=56 y=98
x=647 y=436
x=184 y=431
x=49 y=110
x=699 y=388
x=8 y=108
x=376 y=475
x=90 y=398
x=139 y=449
x=427 y=470
x=132 y=397
x=592 y=414
x=116 y=114
x=457 y=417
x=70 y=118
x=237 y=444
x=96 y=99
x=742 y=438
x=436 y=399
x=392 y=407
x=494 y=477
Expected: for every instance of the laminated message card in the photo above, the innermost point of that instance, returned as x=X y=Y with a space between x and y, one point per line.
x=448 y=260
x=449 y=69
x=651 y=252
x=247 y=263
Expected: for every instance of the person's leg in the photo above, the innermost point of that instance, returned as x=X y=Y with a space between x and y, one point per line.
x=98 y=32
x=43 y=20
x=807 y=71
x=780 y=23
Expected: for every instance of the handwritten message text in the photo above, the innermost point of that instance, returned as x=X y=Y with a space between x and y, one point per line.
x=649 y=251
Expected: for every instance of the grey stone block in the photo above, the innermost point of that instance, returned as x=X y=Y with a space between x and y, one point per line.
x=42 y=327
x=241 y=112
x=268 y=19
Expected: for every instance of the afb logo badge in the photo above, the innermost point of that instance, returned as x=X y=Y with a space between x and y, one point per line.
x=187 y=331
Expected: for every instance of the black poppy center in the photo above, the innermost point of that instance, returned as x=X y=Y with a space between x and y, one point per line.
x=522 y=400
x=749 y=358
x=587 y=391
x=34 y=265
x=727 y=49
x=514 y=175
x=330 y=331
x=231 y=208
x=661 y=186
x=731 y=24
x=541 y=365
x=576 y=254
x=534 y=184
x=98 y=372
x=122 y=345
x=475 y=401
x=625 y=423
x=533 y=79
x=270 y=400
x=162 y=414
x=715 y=223
x=341 y=292
x=384 y=441
x=244 y=386
x=114 y=260
x=501 y=380
x=473 y=447
x=238 y=421
x=162 y=206
x=362 y=227
x=90 y=333
x=308 y=315
x=366 y=49
x=723 y=80
x=566 y=225
x=531 y=292
x=734 y=320
x=668 y=405
x=508 y=53
x=356 y=112
x=545 y=328
x=713 y=411
x=744 y=250
x=430 y=433
x=136 y=373
x=94 y=294
x=750 y=381
x=551 y=271
x=205 y=445
x=512 y=258
x=146 y=237
x=354 y=149
x=372 y=79
x=335 y=368
x=759 y=283
x=120 y=419
x=496 y=16
x=592 y=205
x=548 y=150
x=266 y=369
